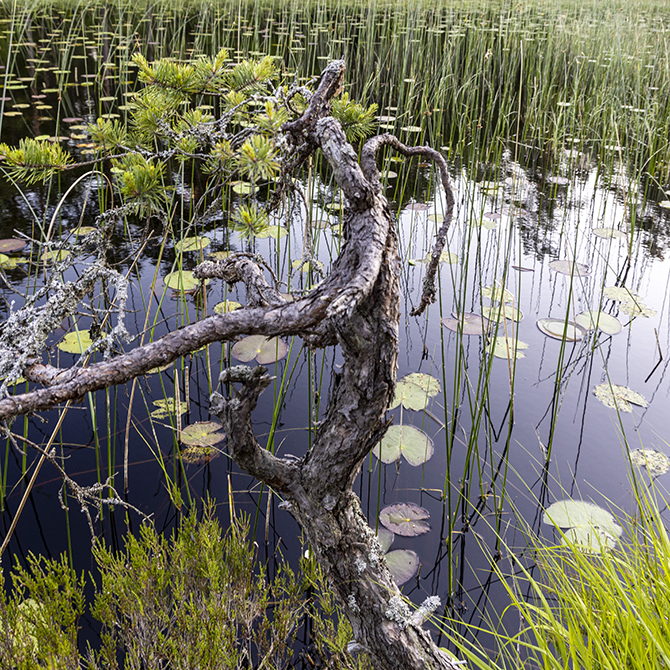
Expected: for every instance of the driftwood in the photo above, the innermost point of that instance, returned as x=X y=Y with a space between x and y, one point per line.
x=357 y=307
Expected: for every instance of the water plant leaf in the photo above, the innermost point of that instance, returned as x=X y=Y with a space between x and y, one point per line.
x=406 y=519
x=570 y=268
x=407 y=440
x=665 y=204
x=618 y=397
x=414 y=391
x=276 y=232
x=402 y=564
x=495 y=312
x=11 y=244
x=609 y=233
x=83 y=230
x=497 y=293
x=218 y=255
x=76 y=342
x=166 y=407
x=242 y=188
x=468 y=323
x=202 y=434
x=195 y=243
x=559 y=329
x=507 y=347
x=198 y=455
x=636 y=308
x=54 y=255
x=656 y=462
x=593 y=319
x=385 y=538
x=226 y=306
x=588 y=539
x=182 y=280
x=263 y=349
x=619 y=294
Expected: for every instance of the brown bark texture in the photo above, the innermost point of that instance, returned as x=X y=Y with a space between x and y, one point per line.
x=356 y=307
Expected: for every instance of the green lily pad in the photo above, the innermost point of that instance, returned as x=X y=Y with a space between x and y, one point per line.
x=504 y=347
x=593 y=319
x=242 y=188
x=495 y=312
x=414 y=391
x=411 y=129
x=656 y=462
x=276 y=232
x=467 y=323
x=76 y=342
x=264 y=350
x=560 y=329
x=194 y=243
x=83 y=230
x=618 y=397
x=199 y=455
x=609 y=233
x=406 y=519
x=54 y=256
x=589 y=526
x=497 y=293
x=226 y=306
x=202 y=434
x=182 y=280
x=636 y=308
x=570 y=268
x=385 y=538
x=218 y=255
x=402 y=564
x=407 y=440
x=305 y=266
x=619 y=294
x=166 y=407
x=12 y=244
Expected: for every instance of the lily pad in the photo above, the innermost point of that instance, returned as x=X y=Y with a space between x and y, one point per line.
x=166 y=407
x=182 y=280
x=497 y=293
x=407 y=440
x=656 y=462
x=264 y=350
x=76 y=342
x=385 y=538
x=406 y=519
x=504 y=347
x=202 y=434
x=198 y=455
x=467 y=323
x=590 y=526
x=83 y=230
x=621 y=397
x=195 y=243
x=54 y=256
x=242 y=188
x=495 y=312
x=609 y=233
x=414 y=391
x=9 y=263
x=275 y=232
x=593 y=319
x=402 y=564
x=11 y=244
x=636 y=308
x=570 y=268
x=665 y=204
x=218 y=255
x=559 y=329
x=619 y=294
x=226 y=306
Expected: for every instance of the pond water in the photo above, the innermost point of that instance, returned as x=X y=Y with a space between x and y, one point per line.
x=511 y=435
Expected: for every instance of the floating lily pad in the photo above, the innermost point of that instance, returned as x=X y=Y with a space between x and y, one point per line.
x=385 y=538
x=195 y=243
x=559 y=329
x=405 y=519
x=407 y=440
x=305 y=266
x=402 y=564
x=665 y=204
x=504 y=347
x=467 y=323
x=414 y=391
x=589 y=526
x=495 y=312
x=619 y=294
x=226 y=306
x=76 y=342
x=497 y=293
x=276 y=232
x=166 y=407
x=242 y=188
x=11 y=244
x=418 y=207
x=218 y=255
x=621 y=397
x=436 y=218
x=54 y=256
x=609 y=233
x=636 y=308
x=656 y=462
x=264 y=350
x=202 y=434
x=198 y=455
x=83 y=230
x=570 y=268
x=182 y=280
x=593 y=319
x=411 y=129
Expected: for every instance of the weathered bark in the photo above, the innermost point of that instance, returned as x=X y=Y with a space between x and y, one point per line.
x=358 y=307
